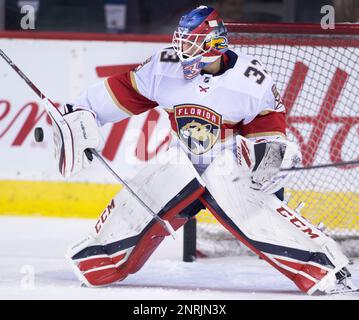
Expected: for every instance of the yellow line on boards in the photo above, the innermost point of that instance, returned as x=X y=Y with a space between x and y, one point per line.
x=55 y=199
x=337 y=210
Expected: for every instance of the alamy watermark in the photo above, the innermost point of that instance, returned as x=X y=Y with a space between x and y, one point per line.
x=27 y=22
x=28 y=279
x=328 y=20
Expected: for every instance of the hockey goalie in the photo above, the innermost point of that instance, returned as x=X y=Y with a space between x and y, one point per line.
x=227 y=153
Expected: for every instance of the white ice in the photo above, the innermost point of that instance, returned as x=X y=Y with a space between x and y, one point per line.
x=32 y=266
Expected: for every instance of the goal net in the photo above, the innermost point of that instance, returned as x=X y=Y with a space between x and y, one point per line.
x=317 y=73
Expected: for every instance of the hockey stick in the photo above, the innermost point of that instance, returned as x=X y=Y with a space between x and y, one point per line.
x=321 y=166
x=57 y=118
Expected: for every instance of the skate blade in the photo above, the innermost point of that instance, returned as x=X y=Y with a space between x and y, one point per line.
x=343 y=292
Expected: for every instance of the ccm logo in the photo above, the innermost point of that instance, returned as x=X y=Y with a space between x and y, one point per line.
x=298 y=223
x=104 y=216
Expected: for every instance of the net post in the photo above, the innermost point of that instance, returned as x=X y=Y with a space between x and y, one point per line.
x=189 y=240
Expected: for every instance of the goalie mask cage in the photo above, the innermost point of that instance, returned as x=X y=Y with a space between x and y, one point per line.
x=317 y=73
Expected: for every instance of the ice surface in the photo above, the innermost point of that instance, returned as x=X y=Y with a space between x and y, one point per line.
x=36 y=246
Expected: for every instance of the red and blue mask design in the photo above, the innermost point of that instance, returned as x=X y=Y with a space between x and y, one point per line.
x=200 y=39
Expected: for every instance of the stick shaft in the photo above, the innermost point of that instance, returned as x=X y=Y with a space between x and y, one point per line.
x=164 y=223
x=326 y=165
x=22 y=75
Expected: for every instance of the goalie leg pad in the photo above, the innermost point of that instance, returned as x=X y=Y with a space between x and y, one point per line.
x=303 y=267
x=100 y=264
x=126 y=234
x=269 y=228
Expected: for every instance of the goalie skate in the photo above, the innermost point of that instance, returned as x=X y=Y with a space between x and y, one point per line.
x=341 y=284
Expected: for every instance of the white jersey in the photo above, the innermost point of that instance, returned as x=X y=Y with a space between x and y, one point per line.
x=240 y=94
x=207 y=109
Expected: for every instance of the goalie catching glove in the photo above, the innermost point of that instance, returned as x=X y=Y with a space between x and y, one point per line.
x=264 y=159
x=77 y=132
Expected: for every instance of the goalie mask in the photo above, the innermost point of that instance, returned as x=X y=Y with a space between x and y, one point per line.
x=200 y=39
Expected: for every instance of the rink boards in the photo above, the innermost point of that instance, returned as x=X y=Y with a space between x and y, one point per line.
x=30 y=183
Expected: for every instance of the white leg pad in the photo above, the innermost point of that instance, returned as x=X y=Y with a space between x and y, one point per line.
x=270 y=226
x=125 y=220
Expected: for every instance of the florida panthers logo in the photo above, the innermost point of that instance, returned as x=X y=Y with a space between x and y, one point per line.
x=198 y=127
